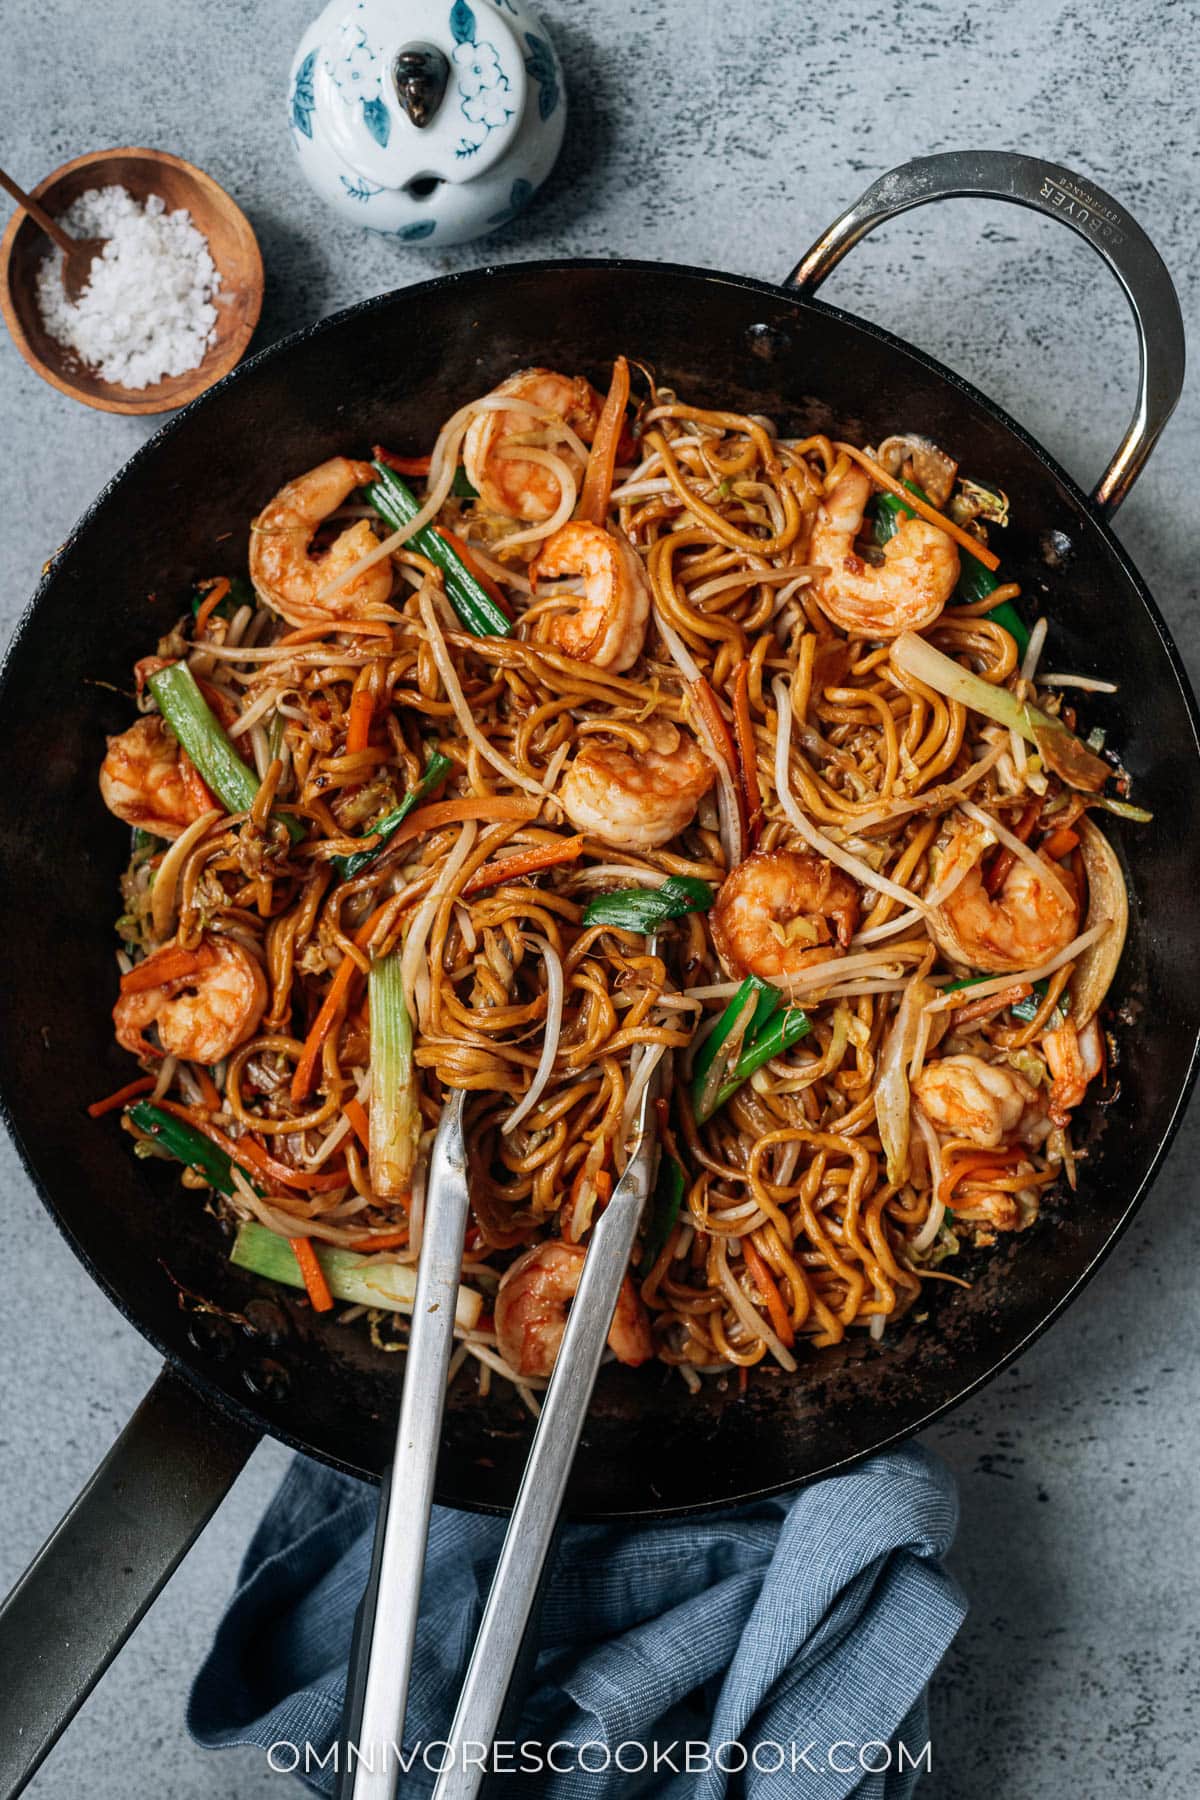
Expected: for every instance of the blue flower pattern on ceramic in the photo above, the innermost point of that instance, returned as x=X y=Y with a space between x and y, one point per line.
x=540 y=65
x=483 y=89
x=408 y=234
x=302 y=96
x=462 y=23
x=357 y=73
x=482 y=83
x=519 y=197
x=377 y=121
x=360 y=188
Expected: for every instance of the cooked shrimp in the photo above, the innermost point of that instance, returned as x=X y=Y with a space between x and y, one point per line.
x=637 y=799
x=1075 y=1058
x=509 y=483
x=965 y=1097
x=771 y=917
x=531 y=1310
x=147 y=781
x=203 y=1012
x=906 y=593
x=608 y=625
x=1027 y=922
x=285 y=573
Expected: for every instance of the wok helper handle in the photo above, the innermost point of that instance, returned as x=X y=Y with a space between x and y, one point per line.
x=1076 y=201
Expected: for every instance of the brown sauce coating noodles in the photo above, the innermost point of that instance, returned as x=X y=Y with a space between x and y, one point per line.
x=722 y=709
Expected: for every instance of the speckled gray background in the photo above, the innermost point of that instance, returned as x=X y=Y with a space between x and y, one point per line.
x=724 y=136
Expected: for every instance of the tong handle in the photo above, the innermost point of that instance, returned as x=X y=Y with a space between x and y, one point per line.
x=522 y=1567
x=385 y=1628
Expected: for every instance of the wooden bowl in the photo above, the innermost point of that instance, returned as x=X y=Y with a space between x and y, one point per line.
x=231 y=243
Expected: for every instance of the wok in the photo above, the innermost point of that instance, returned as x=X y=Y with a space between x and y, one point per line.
x=391 y=369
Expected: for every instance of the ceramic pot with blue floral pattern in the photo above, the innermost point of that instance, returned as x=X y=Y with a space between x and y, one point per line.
x=431 y=121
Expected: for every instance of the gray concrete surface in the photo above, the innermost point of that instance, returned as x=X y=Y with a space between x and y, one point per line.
x=725 y=136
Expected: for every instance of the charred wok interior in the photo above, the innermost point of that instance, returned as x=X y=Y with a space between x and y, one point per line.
x=384 y=374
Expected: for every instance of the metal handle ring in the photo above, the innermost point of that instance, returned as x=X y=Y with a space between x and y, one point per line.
x=1112 y=232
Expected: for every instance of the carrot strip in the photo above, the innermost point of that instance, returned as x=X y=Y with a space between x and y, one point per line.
x=473 y=567
x=382 y=1240
x=450 y=812
x=974 y=1162
x=304 y=1074
x=250 y=1156
x=764 y=1281
x=544 y=856
x=747 y=755
x=301 y=1179
x=362 y=936
x=171 y=963
x=358 y=727
x=598 y=479
x=315 y=1283
x=208 y=1087
x=930 y=514
x=1000 y=866
x=1060 y=843
x=217 y=591
x=356 y=1112
x=305 y=634
x=403 y=465
x=130 y=1091
x=714 y=718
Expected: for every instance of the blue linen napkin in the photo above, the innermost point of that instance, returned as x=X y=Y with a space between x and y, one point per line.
x=795 y=1636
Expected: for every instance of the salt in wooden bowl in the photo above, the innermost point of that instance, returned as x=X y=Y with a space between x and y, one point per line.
x=231 y=242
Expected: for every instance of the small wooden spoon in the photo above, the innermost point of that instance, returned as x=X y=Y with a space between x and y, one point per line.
x=78 y=253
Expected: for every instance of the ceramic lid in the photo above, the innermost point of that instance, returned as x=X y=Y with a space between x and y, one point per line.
x=406 y=90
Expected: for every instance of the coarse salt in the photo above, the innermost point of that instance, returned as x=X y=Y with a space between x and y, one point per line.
x=147 y=310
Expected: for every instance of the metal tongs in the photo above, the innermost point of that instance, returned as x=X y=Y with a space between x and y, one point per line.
x=386 y=1624
x=512 y=1602
x=385 y=1629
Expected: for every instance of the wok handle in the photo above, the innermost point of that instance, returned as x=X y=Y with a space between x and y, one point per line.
x=93 y=1579
x=1088 y=210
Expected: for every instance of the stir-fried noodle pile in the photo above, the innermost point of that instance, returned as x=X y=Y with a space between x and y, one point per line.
x=618 y=740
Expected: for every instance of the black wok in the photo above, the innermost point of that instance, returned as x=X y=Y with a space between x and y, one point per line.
x=391 y=369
